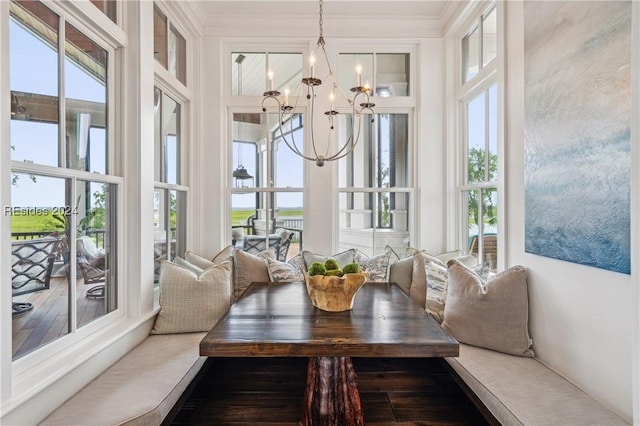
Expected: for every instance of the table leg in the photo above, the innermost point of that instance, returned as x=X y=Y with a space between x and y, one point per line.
x=331 y=397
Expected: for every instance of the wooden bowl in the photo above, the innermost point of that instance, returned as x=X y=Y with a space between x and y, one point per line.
x=334 y=294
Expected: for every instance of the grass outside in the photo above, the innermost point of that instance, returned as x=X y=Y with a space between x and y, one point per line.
x=240 y=216
x=34 y=223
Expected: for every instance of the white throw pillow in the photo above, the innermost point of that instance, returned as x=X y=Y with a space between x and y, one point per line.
x=377 y=267
x=284 y=271
x=191 y=303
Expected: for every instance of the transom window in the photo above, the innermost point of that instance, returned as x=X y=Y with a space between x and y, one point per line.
x=479 y=45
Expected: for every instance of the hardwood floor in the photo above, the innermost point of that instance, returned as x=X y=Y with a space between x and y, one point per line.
x=269 y=391
x=49 y=318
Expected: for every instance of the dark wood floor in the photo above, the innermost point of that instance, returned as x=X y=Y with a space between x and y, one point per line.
x=269 y=391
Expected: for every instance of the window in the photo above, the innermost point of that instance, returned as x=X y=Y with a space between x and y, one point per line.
x=266 y=176
x=63 y=189
x=169 y=46
x=479 y=45
x=479 y=191
x=267 y=193
x=170 y=194
x=108 y=7
x=479 y=178
x=386 y=73
x=375 y=185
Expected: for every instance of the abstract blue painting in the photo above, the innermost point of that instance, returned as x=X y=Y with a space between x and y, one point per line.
x=577 y=131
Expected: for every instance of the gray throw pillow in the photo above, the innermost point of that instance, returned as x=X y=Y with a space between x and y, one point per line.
x=492 y=314
x=250 y=268
x=400 y=273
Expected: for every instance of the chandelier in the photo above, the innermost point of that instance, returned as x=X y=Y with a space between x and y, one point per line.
x=358 y=100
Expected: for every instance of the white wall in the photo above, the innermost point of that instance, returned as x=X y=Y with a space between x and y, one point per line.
x=581 y=318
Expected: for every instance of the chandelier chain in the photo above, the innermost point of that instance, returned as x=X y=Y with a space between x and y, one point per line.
x=321 y=21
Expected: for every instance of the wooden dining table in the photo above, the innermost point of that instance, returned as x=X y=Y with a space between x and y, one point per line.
x=279 y=320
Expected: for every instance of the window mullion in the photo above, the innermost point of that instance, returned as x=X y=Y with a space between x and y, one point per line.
x=487 y=130
x=73 y=258
x=62 y=124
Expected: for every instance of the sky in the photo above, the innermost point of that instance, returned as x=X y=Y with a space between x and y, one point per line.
x=33 y=66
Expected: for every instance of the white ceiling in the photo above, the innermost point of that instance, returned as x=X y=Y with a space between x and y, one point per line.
x=415 y=8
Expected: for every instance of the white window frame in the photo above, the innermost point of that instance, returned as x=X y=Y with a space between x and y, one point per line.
x=488 y=75
x=20 y=378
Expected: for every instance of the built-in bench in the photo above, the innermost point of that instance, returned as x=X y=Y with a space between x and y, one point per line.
x=139 y=389
x=522 y=391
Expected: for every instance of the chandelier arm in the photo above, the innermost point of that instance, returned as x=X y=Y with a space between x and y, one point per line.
x=293 y=147
x=312 y=111
x=351 y=141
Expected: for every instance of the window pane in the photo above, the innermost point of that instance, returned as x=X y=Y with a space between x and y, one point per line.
x=167 y=139
x=476 y=140
x=108 y=7
x=371 y=221
x=260 y=214
x=33 y=61
x=178 y=229
x=380 y=158
x=248 y=74
x=86 y=107
x=392 y=74
x=287 y=71
x=470 y=55
x=245 y=149
x=288 y=166
x=489 y=37
x=177 y=55
x=483 y=239
x=493 y=133
x=96 y=269
x=40 y=209
x=349 y=64
x=160 y=230
x=160 y=36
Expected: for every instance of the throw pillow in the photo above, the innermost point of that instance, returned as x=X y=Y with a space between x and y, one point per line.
x=342 y=258
x=492 y=314
x=436 y=289
x=284 y=271
x=197 y=260
x=377 y=267
x=250 y=268
x=182 y=262
x=298 y=262
x=191 y=303
x=224 y=254
x=418 y=289
x=400 y=273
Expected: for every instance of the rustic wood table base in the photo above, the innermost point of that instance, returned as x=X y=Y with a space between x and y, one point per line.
x=332 y=397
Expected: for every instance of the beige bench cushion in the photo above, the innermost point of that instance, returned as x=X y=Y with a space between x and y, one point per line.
x=139 y=389
x=522 y=391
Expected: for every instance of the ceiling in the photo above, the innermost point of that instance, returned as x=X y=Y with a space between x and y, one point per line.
x=428 y=9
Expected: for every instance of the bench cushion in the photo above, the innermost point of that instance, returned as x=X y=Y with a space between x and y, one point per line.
x=140 y=389
x=522 y=391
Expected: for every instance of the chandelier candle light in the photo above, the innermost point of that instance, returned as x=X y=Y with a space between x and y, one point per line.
x=359 y=103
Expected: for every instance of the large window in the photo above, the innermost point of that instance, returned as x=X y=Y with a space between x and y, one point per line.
x=266 y=177
x=171 y=186
x=64 y=196
x=479 y=177
x=375 y=185
x=170 y=196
